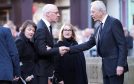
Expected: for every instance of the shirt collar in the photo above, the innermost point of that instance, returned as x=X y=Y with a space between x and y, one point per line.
x=104 y=19
x=46 y=22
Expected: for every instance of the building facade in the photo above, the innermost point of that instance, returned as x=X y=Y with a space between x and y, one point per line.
x=76 y=12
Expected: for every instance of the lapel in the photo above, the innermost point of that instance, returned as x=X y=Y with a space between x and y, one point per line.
x=49 y=35
x=46 y=28
x=106 y=26
x=43 y=25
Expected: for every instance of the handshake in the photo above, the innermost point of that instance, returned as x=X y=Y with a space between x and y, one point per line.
x=63 y=50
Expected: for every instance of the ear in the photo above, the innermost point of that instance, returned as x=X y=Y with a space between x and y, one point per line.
x=47 y=14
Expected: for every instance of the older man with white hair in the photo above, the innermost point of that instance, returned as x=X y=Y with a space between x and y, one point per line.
x=44 y=43
x=111 y=44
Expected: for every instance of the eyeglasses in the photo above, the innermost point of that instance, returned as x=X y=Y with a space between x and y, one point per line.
x=67 y=29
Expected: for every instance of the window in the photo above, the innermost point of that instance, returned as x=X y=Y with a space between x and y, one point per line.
x=5 y=6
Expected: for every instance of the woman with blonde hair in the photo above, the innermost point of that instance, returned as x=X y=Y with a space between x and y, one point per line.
x=70 y=68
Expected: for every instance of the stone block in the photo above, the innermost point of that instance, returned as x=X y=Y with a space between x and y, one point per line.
x=94 y=71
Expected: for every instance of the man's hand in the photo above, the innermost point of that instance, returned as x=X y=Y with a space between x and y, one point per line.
x=48 y=48
x=63 y=50
x=119 y=70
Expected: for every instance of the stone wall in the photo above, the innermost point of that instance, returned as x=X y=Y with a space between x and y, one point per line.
x=94 y=72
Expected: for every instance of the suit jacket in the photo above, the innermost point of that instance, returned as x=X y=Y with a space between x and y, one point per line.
x=9 y=58
x=112 y=47
x=44 y=38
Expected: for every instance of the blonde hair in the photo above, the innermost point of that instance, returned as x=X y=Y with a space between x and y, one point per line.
x=61 y=37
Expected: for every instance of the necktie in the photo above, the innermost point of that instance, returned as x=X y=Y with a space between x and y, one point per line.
x=50 y=29
x=99 y=36
x=100 y=31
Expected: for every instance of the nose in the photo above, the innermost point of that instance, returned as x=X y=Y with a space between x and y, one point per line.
x=58 y=14
x=32 y=32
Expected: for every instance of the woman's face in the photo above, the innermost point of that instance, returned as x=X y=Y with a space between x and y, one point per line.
x=29 y=31
x=67 y=32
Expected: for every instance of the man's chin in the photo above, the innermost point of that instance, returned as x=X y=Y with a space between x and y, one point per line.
x=94 y=20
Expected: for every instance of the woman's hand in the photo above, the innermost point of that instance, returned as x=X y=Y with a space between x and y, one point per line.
x=29 y=78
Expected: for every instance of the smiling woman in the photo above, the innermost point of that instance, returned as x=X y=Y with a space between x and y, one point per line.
x=70 y=68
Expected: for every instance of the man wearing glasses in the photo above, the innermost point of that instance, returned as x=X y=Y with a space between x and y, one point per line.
x=44 y=43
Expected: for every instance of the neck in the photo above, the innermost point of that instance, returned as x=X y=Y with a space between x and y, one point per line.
x=103 y=17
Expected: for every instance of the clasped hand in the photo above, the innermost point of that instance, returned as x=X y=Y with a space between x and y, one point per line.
x=63 y=50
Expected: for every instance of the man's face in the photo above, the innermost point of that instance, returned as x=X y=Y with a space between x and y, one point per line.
x=96 y=14
x=54 y=15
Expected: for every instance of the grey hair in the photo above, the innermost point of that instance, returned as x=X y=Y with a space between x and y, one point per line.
x=48 y=8
x=99 y=5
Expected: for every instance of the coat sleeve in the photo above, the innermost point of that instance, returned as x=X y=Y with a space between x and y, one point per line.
x=13 y=53
x=120 y=40
x=84 y=46
x=41 y=43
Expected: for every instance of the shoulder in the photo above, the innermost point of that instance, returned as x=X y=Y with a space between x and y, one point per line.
x=4 y=29
x=113 y=19
x=75 y=42
x=5 y=32
x=41 y=24
x=19 y=41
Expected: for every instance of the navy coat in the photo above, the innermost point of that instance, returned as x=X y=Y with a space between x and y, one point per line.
x=9 y=58
x=112 y=47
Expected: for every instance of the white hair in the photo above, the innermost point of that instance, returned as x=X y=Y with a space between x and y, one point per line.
x=48 y=8
x=99 y=5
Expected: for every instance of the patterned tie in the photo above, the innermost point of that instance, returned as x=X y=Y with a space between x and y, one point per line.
x=100 y=31
x=99 y=37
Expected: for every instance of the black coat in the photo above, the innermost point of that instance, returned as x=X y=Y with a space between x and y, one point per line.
x=71 y=68
x=44 y=38
x=28 y=56
x=112 y=47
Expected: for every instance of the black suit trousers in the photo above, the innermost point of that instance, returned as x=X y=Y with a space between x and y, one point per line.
x=113 y=79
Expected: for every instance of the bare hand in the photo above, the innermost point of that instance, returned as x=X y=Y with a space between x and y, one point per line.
x=61 y=82
x=48 y=48
x=16 y=78
x=29 y=78
x=63 y=50
x=119 y=70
